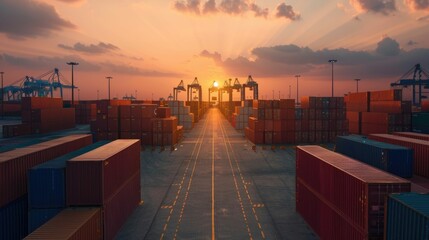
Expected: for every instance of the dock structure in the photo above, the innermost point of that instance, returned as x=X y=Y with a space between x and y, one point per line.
x=217 y=185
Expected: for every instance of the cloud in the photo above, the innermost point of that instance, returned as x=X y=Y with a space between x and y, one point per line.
x=45 y=63
x=91 y=48
x=131 y=70
x=192 y=6
x=411 y=43
x=387 y=60
x=210 y=7
x=70 y=1
x=27 y=18
x=286 y=11
x=388 y=47
x=230 y=7
x=417 y=4
x=424 y=18
x=377 y=6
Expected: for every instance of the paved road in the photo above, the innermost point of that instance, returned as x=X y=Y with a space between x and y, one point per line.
x=215 y=186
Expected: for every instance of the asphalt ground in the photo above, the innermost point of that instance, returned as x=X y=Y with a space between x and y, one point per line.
x=215 y=184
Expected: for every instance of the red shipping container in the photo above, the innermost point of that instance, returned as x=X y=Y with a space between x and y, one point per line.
x=112 y=135
x=268 y=137
x=146 y=138
x=125 y=135
x=125 y=111
x=149 y=110
x=277 y=125
x=420 y=147
x=425 y=106
x=125 y=124
x=353 y=189
x=14 y=164
x=268 y=114
x=371 y=128
x=287 y=114
x=136 y=111
x=287 y=103
x=113 y=112
x=259 y=137
x=169 y=125
x=163 y=112
x=354 y=128
x=288 y=137
x=146 y=124
x=391 y=106
x=386 y=95
x=94 y=177
x=268 y=125
x=29 y=103
x=414 y=135
x=277 y=137
x=112 y=125
x=72 y=223
x=277 y=114
x=136 y=125
x=288 y=125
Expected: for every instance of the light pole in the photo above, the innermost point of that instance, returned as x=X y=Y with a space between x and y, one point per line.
x=2 y=95
x=72 y=64
x=332 y=61
x=297 y=77
x=108 y=86
x=357 y=84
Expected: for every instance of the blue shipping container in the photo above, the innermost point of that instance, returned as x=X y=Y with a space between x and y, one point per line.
x=38 y=217
x=46 y=182
x=407 y=216
x=13 y=220
x=420 y=122
x=394 y=159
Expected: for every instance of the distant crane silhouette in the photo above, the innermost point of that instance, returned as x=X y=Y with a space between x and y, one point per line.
x=416 y=76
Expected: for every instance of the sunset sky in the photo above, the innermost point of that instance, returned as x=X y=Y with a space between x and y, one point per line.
x=148 y=46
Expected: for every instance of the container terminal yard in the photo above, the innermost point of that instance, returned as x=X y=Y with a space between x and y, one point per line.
x=352 y=167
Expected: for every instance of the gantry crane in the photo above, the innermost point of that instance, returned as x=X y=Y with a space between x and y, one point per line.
x=229 y=89
x=252 y=85
x=414 y=78
x=193 y=88
x=214 y=88
x=37 y=86
x=180 y=87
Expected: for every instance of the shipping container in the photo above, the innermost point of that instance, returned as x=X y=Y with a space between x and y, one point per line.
x=46 y=182
x=420 y=122
x=14 y=219
x=354 y=190
x=421 y=136
x=386 y=95
x=94 y=177
x=29 y=103
x=407 y=216
x=14 y=164
x=38 y=217
x=73 y=224
x=391 y=158
x=420 y=148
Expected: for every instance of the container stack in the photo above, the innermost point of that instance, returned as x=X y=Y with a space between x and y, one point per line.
x=228 y=108
x=14 y=166
x=241 y=114
x=420 y=148
x=164 y=128
x=196 y=109
x=322 y=119
x=378 y=112
x=85 y=112
x=341 y=198
x=272 y=122
x=420 y=122
x=391 y=158
x=107 y=177
x=41 y=115
x=407 y=216
x=183 y=114
x=46 y=187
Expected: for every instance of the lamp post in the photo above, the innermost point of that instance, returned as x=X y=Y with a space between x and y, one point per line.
x=357 y=84
x=72 y=64
x=297 y=77
x=332 y=61
x=108 y=86
x=2 y=95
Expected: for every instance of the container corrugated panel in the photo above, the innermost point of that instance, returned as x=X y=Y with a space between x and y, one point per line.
x=120 y=206
x=72 y=224
x=395 y=159
x=38 y=217
x=420 y=122
x=353 y=189
x=15 y=164
x=407 y=216
x=94 y=177
x=13 y=220
x=421 y=136
x=46 y=182
x=420 y=147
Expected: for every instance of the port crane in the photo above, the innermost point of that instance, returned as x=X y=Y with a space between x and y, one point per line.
x=229 y=89
x=194 y=87
x=41 y=86
x=252 y=85
x=417 y=76
x=176 y=90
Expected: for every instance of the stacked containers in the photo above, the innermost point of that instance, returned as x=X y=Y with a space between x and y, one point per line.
x=391 y=158
x=378 y=112
x=148 y=114
x=196 y=109
x=414 y=135
x=407 y=216
x=85 y=112
x=228 y=108
x=183 y=114
x=241 y=114
x=72 y=223
x=46 y=187
x=164 y=128
x=323 y=118
x=108 y=176
x=342 y=198
x=288 y=121
x=106 y=125
x=14 y=165
x=420 y=122
x=420 y=148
